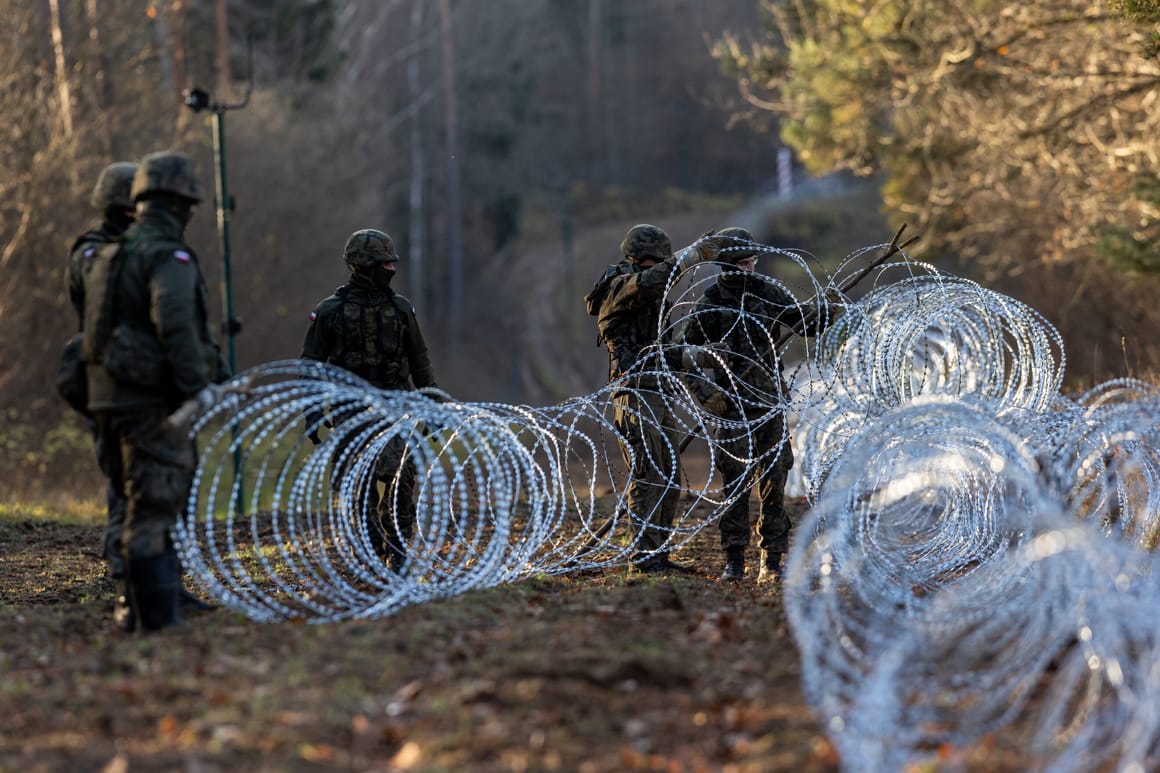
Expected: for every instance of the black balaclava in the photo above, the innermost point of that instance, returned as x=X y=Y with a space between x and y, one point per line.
x=737 y=280
x=381 y=276
x=177 y=207
x=118 y=219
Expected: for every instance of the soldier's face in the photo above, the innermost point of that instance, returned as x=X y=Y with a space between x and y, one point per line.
x=646 y=262
x=747 y=264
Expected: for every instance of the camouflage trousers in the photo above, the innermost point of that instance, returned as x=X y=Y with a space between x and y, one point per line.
x=767 y=443
x=395 y=469
x=393 y=519
x=112 y=547
x=150 y=469
x=643 y=424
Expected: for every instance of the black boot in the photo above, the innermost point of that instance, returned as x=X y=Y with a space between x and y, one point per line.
x=396 y=556
x=734 y=564
x=770 y=567
x=660 y=563
x=156 y=591
x=388 y=548
x=191 y=603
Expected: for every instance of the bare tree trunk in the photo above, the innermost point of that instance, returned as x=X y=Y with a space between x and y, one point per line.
x=64 y=93
x=454 y=205
x=177 y=44
x=164 y=55
x=418 y=213
x=593 y=87
x=222 y=58
x=101 y=81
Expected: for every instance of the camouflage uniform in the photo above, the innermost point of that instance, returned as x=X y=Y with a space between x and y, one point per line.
x=111 y=196
x=148 y=348
x=370 y=330
x=628 y=303
x=717 y=320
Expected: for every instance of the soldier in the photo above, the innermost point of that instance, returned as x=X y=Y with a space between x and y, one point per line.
x=740 y=317
x=111 y=197
x=628 y=303
x=370 y=330
x=147 y=349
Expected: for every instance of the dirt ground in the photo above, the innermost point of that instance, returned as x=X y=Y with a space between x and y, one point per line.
x=610 y=671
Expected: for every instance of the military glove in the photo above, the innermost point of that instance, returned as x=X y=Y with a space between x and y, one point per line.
x=207 y=398
x=691 y=255
x=198 y=404
x=707 y=248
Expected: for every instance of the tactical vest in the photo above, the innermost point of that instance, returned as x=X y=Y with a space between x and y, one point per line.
x=745 y=321
x=79 y=257
x=372 y=338
x=100 y=288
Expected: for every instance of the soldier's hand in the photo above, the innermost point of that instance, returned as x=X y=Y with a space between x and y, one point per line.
x=707 y=248
x=312 y=436
x=208 y=397
x=199 y=403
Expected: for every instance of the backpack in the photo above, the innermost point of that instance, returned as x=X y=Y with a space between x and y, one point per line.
x=595 y=297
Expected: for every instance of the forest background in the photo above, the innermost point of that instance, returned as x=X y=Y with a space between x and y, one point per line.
x=507 y=145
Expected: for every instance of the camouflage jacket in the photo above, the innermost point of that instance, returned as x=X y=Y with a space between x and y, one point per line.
x=371 y=332
x=628 y=303
x=146 y=302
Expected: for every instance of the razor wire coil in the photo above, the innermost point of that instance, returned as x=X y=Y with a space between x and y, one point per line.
x=979 y=550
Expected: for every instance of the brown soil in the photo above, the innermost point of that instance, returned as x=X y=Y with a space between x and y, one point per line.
x=609 y=671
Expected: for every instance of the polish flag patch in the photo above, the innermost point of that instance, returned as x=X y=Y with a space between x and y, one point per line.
x=313 y=315
x=182 y=256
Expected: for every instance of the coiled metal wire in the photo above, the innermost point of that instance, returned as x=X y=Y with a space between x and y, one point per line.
x=979 y=553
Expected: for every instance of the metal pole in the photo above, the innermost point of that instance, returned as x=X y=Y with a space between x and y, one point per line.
x=229 y=325
x=224 y=209
x=197 y=99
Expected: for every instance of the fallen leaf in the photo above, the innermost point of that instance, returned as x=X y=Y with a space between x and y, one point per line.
x=167 y=726
x=316 y=753
x=408 y=756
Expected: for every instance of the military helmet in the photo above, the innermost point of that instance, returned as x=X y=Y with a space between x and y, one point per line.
x=646 y=241
x=368 y=247
x=167 y=171
x=114 y=186
x=735 y=254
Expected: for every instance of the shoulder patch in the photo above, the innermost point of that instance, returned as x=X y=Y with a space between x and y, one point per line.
x=313 y=315
x=182 y=256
